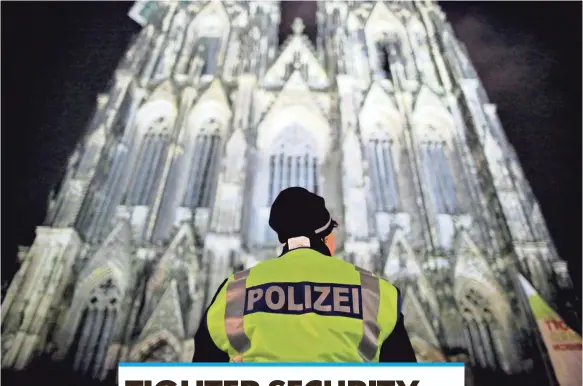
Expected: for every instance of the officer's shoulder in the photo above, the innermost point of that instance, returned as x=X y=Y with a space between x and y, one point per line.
x=384 y=282
x=246 y=270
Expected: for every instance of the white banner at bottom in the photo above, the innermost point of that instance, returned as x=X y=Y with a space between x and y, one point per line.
x=291 y=374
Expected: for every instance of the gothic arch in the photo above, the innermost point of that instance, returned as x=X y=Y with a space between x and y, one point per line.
x=290 y=155
x=213 y=20
x=384 y=30
x=379 y=116
x=161 y=342
x=204 y=146
x=203 y=138
x=421 y=52
x=84 y=293
x=297 y=49
x=434 y=129
x=108 y=270
x=487 y=329
x=381 y=128
x=431 y=119
x=275 y=127
x=155 y=126
x=294 y=140
x=156 y=114
x=167 y=61
x=382 y=22
x=208 y=126
x=209 y=29
x=92 y=323
x=292 y=160
x=213 y=106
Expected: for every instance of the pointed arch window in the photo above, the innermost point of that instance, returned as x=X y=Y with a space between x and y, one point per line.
x=150 y=163
x=188 y=49
x=99 y=202
x=336 y=19
x=203 y=167
x=438 y=175
x=174 y=43
x=387 y=49
x=383 y=174
x=384 y=61
x=292 y=170
x=482 y=334
x=293 y=162
x=95 y=329
x=212 y=46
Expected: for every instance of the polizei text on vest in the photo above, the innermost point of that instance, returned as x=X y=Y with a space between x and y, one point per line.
x=305 y=297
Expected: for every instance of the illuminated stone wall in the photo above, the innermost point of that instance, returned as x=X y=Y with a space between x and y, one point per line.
x=210 y=116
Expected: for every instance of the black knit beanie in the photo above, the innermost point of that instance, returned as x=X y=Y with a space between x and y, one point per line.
x=298 y=212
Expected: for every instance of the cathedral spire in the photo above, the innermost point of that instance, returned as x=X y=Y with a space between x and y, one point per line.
x=298 y=26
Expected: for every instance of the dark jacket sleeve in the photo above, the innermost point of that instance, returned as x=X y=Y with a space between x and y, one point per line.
x=205 y=350
x=397 y=347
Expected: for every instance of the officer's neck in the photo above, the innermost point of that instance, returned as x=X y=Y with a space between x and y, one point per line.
x=315 y=244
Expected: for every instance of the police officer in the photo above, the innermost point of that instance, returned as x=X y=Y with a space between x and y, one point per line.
x=305 y=306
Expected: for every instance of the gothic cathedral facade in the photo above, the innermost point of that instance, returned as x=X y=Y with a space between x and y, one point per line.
x=209 y=116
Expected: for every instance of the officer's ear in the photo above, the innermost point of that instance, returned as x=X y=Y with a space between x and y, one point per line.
x=330 y=242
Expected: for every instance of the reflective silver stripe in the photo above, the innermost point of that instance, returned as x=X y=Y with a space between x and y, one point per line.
x=371 y=299
x=235 y=311
x=324 y=227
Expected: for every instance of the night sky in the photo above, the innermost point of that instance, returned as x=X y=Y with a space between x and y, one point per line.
x=56 y=58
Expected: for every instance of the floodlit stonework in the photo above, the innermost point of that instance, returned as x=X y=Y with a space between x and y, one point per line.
x=208 y=117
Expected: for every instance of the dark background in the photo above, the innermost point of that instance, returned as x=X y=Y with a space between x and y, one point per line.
x=56 y=58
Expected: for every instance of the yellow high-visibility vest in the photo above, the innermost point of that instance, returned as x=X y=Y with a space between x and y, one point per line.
x=304 y=307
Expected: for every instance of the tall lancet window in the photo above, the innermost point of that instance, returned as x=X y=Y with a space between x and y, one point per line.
x=212 y=46
x=388 y=50
x=203 y=167
x=95 y=329
x=423 y=57
x=96 y=210
x=380 y=152
x=168 y=59
x=91 y=153
x=188 y=50
x=293 y=162
x=336 y=20
x=483 y=334
x=438 y=176
x=384 y=61
x=150 y=163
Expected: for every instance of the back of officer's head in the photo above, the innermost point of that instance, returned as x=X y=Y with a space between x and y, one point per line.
x=298 y=212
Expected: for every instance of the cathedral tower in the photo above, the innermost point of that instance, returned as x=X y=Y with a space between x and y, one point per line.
x=209 y=117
